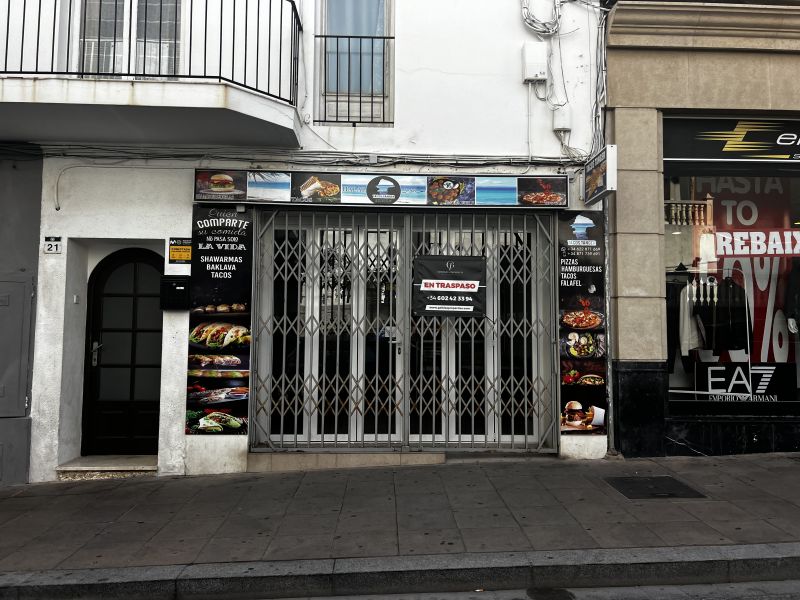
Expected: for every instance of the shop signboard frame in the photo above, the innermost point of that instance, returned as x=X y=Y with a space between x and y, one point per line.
x=582 y=320
x=535 y=191
x=600 y=175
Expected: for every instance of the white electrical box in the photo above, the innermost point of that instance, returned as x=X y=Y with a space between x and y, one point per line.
x=534 y=62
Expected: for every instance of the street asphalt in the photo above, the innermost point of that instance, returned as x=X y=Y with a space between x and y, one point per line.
x=470 y=524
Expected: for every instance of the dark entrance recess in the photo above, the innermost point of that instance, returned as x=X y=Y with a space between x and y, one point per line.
x=652 y=488
x=123 y=355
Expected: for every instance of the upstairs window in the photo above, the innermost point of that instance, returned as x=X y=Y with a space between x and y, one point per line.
x=137 y=37
x=354 y=49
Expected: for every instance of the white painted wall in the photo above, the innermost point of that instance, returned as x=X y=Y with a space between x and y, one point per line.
x=103 y=209
x=457 y=71
x=458 y=81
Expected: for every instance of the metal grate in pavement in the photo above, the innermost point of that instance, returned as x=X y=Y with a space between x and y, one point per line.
x=649 y=488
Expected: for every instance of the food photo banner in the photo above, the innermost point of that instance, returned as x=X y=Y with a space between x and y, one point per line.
x=317 y=187
x=218 y=362
x=582 y=322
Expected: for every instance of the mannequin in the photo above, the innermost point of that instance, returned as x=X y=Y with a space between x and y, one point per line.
x=792 y=304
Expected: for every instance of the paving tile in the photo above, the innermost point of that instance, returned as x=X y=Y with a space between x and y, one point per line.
x=495 y=539
x=308 y=524
x=594 y=495
x=714 y=510
x=415 y=487
x=484 y=517
x=425 y=519
x=564 y=481
x=432 y=541
x=69 y=533
x=475 y=499
x=187 y=529
x=542 y=515
x=356 y=522
x=623 y=535
x=256 y=507
x=321 y=491
x=520 y=498
x=751 y=532
x=105 y=556
x=423 y=502
x=587 y=512
x=382 y=503
x=9 y=491
x=99 y=513
x=764 y=508
x=204 y=511
x=124 y=531
x=291 y=547
x=314 y=506
x=364 y=543
x=248 y=526
x=559 y=537
x=688 y=534
x=234 y=549
x=168 y=552
x=371 y=488
x=37 y=556
x=7 y=515
x=788 y=524
x=151 y=513
x=656 y=511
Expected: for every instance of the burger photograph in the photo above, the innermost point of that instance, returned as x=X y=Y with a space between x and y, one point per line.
x=220 y=185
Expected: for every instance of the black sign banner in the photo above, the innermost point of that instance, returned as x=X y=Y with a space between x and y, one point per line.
x=731 y=139
x=600 y=175
x=218 y=372
x=582 y=321
x=449 y=286
x=738 y=388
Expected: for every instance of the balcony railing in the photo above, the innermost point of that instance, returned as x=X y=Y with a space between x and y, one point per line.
x=253 y=44
x=355 y=79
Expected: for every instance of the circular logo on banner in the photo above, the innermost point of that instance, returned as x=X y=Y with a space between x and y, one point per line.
x=383 y=190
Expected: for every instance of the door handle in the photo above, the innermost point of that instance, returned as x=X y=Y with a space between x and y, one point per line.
x=95 y=347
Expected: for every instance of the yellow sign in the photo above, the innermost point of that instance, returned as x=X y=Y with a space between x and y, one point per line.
x=180 y=250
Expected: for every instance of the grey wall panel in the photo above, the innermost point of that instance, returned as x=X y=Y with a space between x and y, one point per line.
x=15 y=305
x=20 y=206
x=15 y=440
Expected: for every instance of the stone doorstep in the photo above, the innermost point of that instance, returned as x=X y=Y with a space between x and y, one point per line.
x=107 y=467
x=265 y=462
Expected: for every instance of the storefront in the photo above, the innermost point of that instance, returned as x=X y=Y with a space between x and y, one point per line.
x=704 y=227
x=235 y=319
x=390 y=311
x=732 y=268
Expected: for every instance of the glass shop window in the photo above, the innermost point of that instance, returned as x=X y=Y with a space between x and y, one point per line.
x=732 y=269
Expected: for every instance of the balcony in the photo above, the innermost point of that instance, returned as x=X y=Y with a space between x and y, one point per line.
x=150 y=71
x=355 y=80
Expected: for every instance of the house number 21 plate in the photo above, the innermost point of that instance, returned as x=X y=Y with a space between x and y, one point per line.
x=52 y=245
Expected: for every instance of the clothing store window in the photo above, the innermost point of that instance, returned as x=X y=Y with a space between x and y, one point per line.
x=732 y=268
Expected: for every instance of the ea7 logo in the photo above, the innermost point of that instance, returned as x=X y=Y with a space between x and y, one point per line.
x=765 y=376
x=735 y=139
x=739 y=383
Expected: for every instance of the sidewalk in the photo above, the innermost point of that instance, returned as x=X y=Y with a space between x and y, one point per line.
x=499 y=524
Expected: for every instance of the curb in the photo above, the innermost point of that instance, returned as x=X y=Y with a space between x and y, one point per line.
x=414 y=574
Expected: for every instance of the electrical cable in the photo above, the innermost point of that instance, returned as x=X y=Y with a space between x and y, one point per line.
x=543 y=29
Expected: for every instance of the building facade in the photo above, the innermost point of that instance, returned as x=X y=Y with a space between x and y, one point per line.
x=702 y=105
x=277 y=234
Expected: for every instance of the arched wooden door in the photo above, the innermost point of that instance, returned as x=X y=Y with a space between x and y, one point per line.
x=123 y=355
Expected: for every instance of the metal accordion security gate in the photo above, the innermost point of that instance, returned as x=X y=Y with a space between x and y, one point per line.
x=341 y=362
